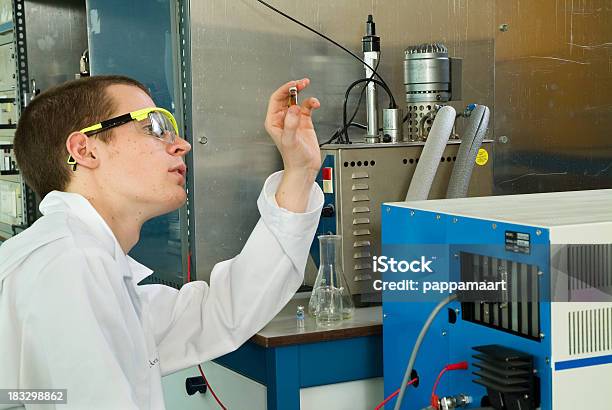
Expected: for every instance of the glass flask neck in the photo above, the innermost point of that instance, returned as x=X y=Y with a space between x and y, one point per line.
x=329 y=247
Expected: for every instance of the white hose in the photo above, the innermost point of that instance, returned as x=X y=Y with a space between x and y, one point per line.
x=470 y=144
x=432 y=152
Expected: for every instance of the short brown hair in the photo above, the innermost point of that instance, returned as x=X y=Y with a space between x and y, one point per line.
x=46 y=123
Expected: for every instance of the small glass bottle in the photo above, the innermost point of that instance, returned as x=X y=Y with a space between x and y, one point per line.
x=299 y=317
x=331 y=299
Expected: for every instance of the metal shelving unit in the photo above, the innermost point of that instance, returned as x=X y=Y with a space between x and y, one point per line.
x=11 y=185
x=24 y=24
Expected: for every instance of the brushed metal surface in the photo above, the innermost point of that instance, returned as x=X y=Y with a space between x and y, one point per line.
x=368 y=176
x=56 y=38
x=553 y=106
x=371 y=99
x=241 y=52
x=427 y=71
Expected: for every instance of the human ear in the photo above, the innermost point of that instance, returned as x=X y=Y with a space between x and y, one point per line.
x=82 y=151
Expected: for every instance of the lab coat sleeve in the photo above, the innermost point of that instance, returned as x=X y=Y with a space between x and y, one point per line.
x=202 y=322
x=65 y=343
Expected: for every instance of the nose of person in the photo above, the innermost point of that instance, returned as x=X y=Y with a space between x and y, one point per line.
x=179 y=147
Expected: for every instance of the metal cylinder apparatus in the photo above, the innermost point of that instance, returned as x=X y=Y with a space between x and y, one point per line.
x=371 y=54
x=427 y=73
x=392 y=125
x=427 y=78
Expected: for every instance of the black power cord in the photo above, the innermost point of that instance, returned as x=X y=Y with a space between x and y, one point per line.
x=346 y=95
x=374 y=73
x=341 y=134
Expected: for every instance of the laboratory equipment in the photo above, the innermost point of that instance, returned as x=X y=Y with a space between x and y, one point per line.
x=293 y=96
x=431 y=79
x=331 y=299
x=471 y=143
x=392 y=129
x=8 y=164
x=543 y=342
x=26 y=68
x=425 y=171
x=299 y=317
x=11 y=187
x=357 y=178
x=371 y=54
x=401 y=163
x=84 y=70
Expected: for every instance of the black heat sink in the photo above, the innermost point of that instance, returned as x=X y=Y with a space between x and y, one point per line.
x=508 y=376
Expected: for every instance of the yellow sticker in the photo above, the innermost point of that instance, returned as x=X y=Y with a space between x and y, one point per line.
x=482 y=157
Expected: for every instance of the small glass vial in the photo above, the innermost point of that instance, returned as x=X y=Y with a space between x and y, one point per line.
x=299 y=316
x=293 y=96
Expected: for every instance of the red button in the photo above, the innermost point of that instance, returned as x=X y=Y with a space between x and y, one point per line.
x=327 y=174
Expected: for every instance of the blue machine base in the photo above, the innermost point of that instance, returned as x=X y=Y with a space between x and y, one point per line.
x=285 y=370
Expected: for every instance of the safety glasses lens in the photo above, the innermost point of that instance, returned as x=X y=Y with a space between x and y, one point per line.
x=162 y=126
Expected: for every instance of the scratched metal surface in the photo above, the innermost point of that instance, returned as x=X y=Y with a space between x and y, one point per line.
x=241 y=52
x=553 y=96
x=56 y=38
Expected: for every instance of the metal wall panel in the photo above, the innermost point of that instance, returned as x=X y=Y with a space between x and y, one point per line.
x=241 y=52
x=56 y=38
x=553 y=106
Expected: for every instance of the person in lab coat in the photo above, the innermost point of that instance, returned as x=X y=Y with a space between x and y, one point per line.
x=105 y=160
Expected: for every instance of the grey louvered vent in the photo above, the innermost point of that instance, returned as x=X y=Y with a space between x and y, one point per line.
x=590 y=331
x=519 y=313
x=362 y=227
x=590 y=266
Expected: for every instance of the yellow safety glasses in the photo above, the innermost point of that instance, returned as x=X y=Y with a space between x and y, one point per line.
x=161 y=125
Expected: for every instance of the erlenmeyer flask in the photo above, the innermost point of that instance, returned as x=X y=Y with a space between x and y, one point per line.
x=331 y=299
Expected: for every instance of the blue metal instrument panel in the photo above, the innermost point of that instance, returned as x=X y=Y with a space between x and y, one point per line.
x=410 y=233
x=327 y=223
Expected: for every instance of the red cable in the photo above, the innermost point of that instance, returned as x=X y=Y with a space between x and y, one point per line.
x=395 y=393
x=211 y=389
x=434 y=397
x=449 y=367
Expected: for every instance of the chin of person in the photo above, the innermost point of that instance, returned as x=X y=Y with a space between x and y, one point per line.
x=179 y=198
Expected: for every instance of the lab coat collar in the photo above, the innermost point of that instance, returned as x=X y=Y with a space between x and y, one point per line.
x=139 y=271
x=79 y=206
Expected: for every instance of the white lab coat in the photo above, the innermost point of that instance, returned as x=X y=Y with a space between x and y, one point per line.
x=72 y=316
